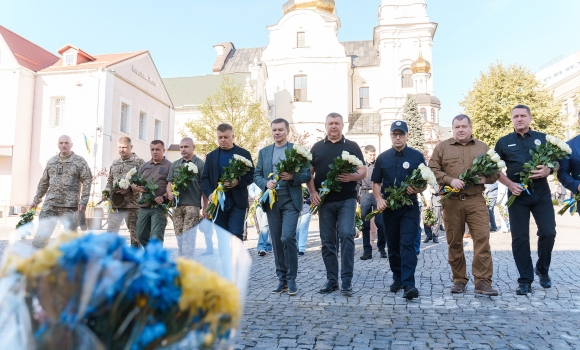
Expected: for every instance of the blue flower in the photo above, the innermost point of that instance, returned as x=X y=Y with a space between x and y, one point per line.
x=151 y=332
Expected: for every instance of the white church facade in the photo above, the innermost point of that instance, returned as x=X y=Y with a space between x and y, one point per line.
x=309 y=73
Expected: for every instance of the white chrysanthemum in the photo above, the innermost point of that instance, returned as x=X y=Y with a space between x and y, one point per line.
x=124 y=184
x=491 y=152
x=244 y=160
x=496 y=158
x=192 y=168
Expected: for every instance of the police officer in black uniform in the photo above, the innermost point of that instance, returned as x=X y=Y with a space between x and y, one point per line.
x=392 y=167
x=514 y=149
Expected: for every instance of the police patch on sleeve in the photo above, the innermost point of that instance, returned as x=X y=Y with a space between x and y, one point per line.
x=406 y=165
x=538 y=142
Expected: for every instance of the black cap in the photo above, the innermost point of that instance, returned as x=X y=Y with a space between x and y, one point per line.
x=399 y=125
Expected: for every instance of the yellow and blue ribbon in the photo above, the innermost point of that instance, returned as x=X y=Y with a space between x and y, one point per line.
x=448 y=189
x=525 y=188
x=573 y=204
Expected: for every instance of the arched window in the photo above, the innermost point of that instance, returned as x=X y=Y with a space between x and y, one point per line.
x=423 y=113
x=406 y=78
x=433 y=114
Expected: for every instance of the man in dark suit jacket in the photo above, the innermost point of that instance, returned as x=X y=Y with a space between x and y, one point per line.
x=569 y=172
x=284 y=213
x=231 y=218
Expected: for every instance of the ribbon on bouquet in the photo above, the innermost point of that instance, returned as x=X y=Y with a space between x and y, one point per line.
x=218 y=196
x=175 y=193
x=448 y=189
x=525 y=188
x=572 y=203
x=271 y=195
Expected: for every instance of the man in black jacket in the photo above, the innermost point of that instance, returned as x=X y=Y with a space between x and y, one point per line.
x=231 y=218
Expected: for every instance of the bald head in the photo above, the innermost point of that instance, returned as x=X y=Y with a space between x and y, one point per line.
x=187 y=147
x=65 y=145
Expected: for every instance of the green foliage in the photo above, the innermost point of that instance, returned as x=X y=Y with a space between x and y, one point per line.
x=149 y=195
x=411 y=115
x=490 y=101
x=293 y=164
x=231 y=105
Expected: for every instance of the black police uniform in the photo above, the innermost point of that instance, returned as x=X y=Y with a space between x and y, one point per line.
x=401 y=225
x=514 y=149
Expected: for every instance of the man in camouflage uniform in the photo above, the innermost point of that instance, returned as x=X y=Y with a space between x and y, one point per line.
x=65 y=176
x=129 y=210
x=187 y=214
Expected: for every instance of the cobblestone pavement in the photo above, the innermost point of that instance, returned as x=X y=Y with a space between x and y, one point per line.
x=374 y=318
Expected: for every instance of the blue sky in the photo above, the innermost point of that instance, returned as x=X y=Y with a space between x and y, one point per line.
x=180 y=34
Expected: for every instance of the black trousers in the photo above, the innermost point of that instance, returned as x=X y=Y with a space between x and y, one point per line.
x=539 y=204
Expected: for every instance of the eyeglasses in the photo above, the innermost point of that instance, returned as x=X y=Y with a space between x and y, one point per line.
x=397 y=135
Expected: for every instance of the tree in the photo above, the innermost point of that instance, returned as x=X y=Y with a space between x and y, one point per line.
x=411 y=115
x=490 y=102
x=230 y=105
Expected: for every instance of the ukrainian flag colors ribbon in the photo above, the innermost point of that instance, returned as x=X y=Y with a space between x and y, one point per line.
x=175 y=193
x=525 y=188
x=322 y=192
x=447 y=191
x=271 y=195
x=572 y=204
x=218 y=198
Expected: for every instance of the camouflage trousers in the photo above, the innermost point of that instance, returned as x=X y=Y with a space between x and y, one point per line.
x=184 y=218
x=130 y=216
x=48 y=218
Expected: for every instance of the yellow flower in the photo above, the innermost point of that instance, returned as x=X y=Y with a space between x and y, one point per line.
x=203 y=289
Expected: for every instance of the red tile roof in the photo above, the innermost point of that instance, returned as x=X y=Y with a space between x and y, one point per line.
x=28 y=54
x=101 y=61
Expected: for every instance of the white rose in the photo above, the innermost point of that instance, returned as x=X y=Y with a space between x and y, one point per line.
x=192 y=168
x=501 y=164
x=345 y=155
x=491 y=152
x=496 y=158
x=124 y=184
x=550 y=138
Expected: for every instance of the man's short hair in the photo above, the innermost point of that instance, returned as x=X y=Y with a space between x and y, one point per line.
x=187 y=139
x=370 y=149
x=158 y=142
x=524 y=107
x=460 y=117
x=125 y=140
x=224 y=128
x=334 y=115
x=281 y=120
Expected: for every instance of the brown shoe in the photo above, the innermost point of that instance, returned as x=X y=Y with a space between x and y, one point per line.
x=467 y=235
x=458 y=287
x=483 y=287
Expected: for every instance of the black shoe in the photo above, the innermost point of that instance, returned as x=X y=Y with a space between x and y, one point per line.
x=426 y=240
x=435 y=239
x=396 y=286
x=207 y=253
x=262 y=253
x=346 y=289
x=545 y=280
x=282 y=287
x=329 y=287
x=524 y=289
x=366 y=256
x=292 y=288
x=384 y=254
x=301 y=253
x=410 y=293
x=441 y=228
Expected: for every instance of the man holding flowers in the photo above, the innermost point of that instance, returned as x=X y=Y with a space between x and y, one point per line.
x=129 y=210
x=283 y=208
x=569 y=172
x=152 y=218
x=231 y=210
x=452 y=159
x=515 y=149
x=184 y=189
x=392 y=167
x=337 y=207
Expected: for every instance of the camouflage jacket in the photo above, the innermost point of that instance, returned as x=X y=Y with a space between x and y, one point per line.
x=119 y=169
x=63 y=180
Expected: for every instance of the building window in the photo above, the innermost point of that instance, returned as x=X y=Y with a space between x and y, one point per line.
x=125 y=117
x=433 y=114
x=143 y=126
x=566 y=108
x=301 y=39
x=423 y=113
x=300 y=88
x=407 y=78
x=57 y=113
x=157 y=129
x=69 y=58
x=364 y=97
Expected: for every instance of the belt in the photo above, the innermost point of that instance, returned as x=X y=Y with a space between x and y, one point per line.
x=462 y=197
x=367 y=190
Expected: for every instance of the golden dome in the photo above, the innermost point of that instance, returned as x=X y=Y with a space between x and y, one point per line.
x=323 y=5
x=421 y=65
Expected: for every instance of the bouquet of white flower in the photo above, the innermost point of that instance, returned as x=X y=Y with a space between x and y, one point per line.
x=546 y=154
x=238 y=167
x=346 y=163
x=184 y=175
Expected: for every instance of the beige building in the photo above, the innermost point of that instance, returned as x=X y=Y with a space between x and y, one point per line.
x=562 y=77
